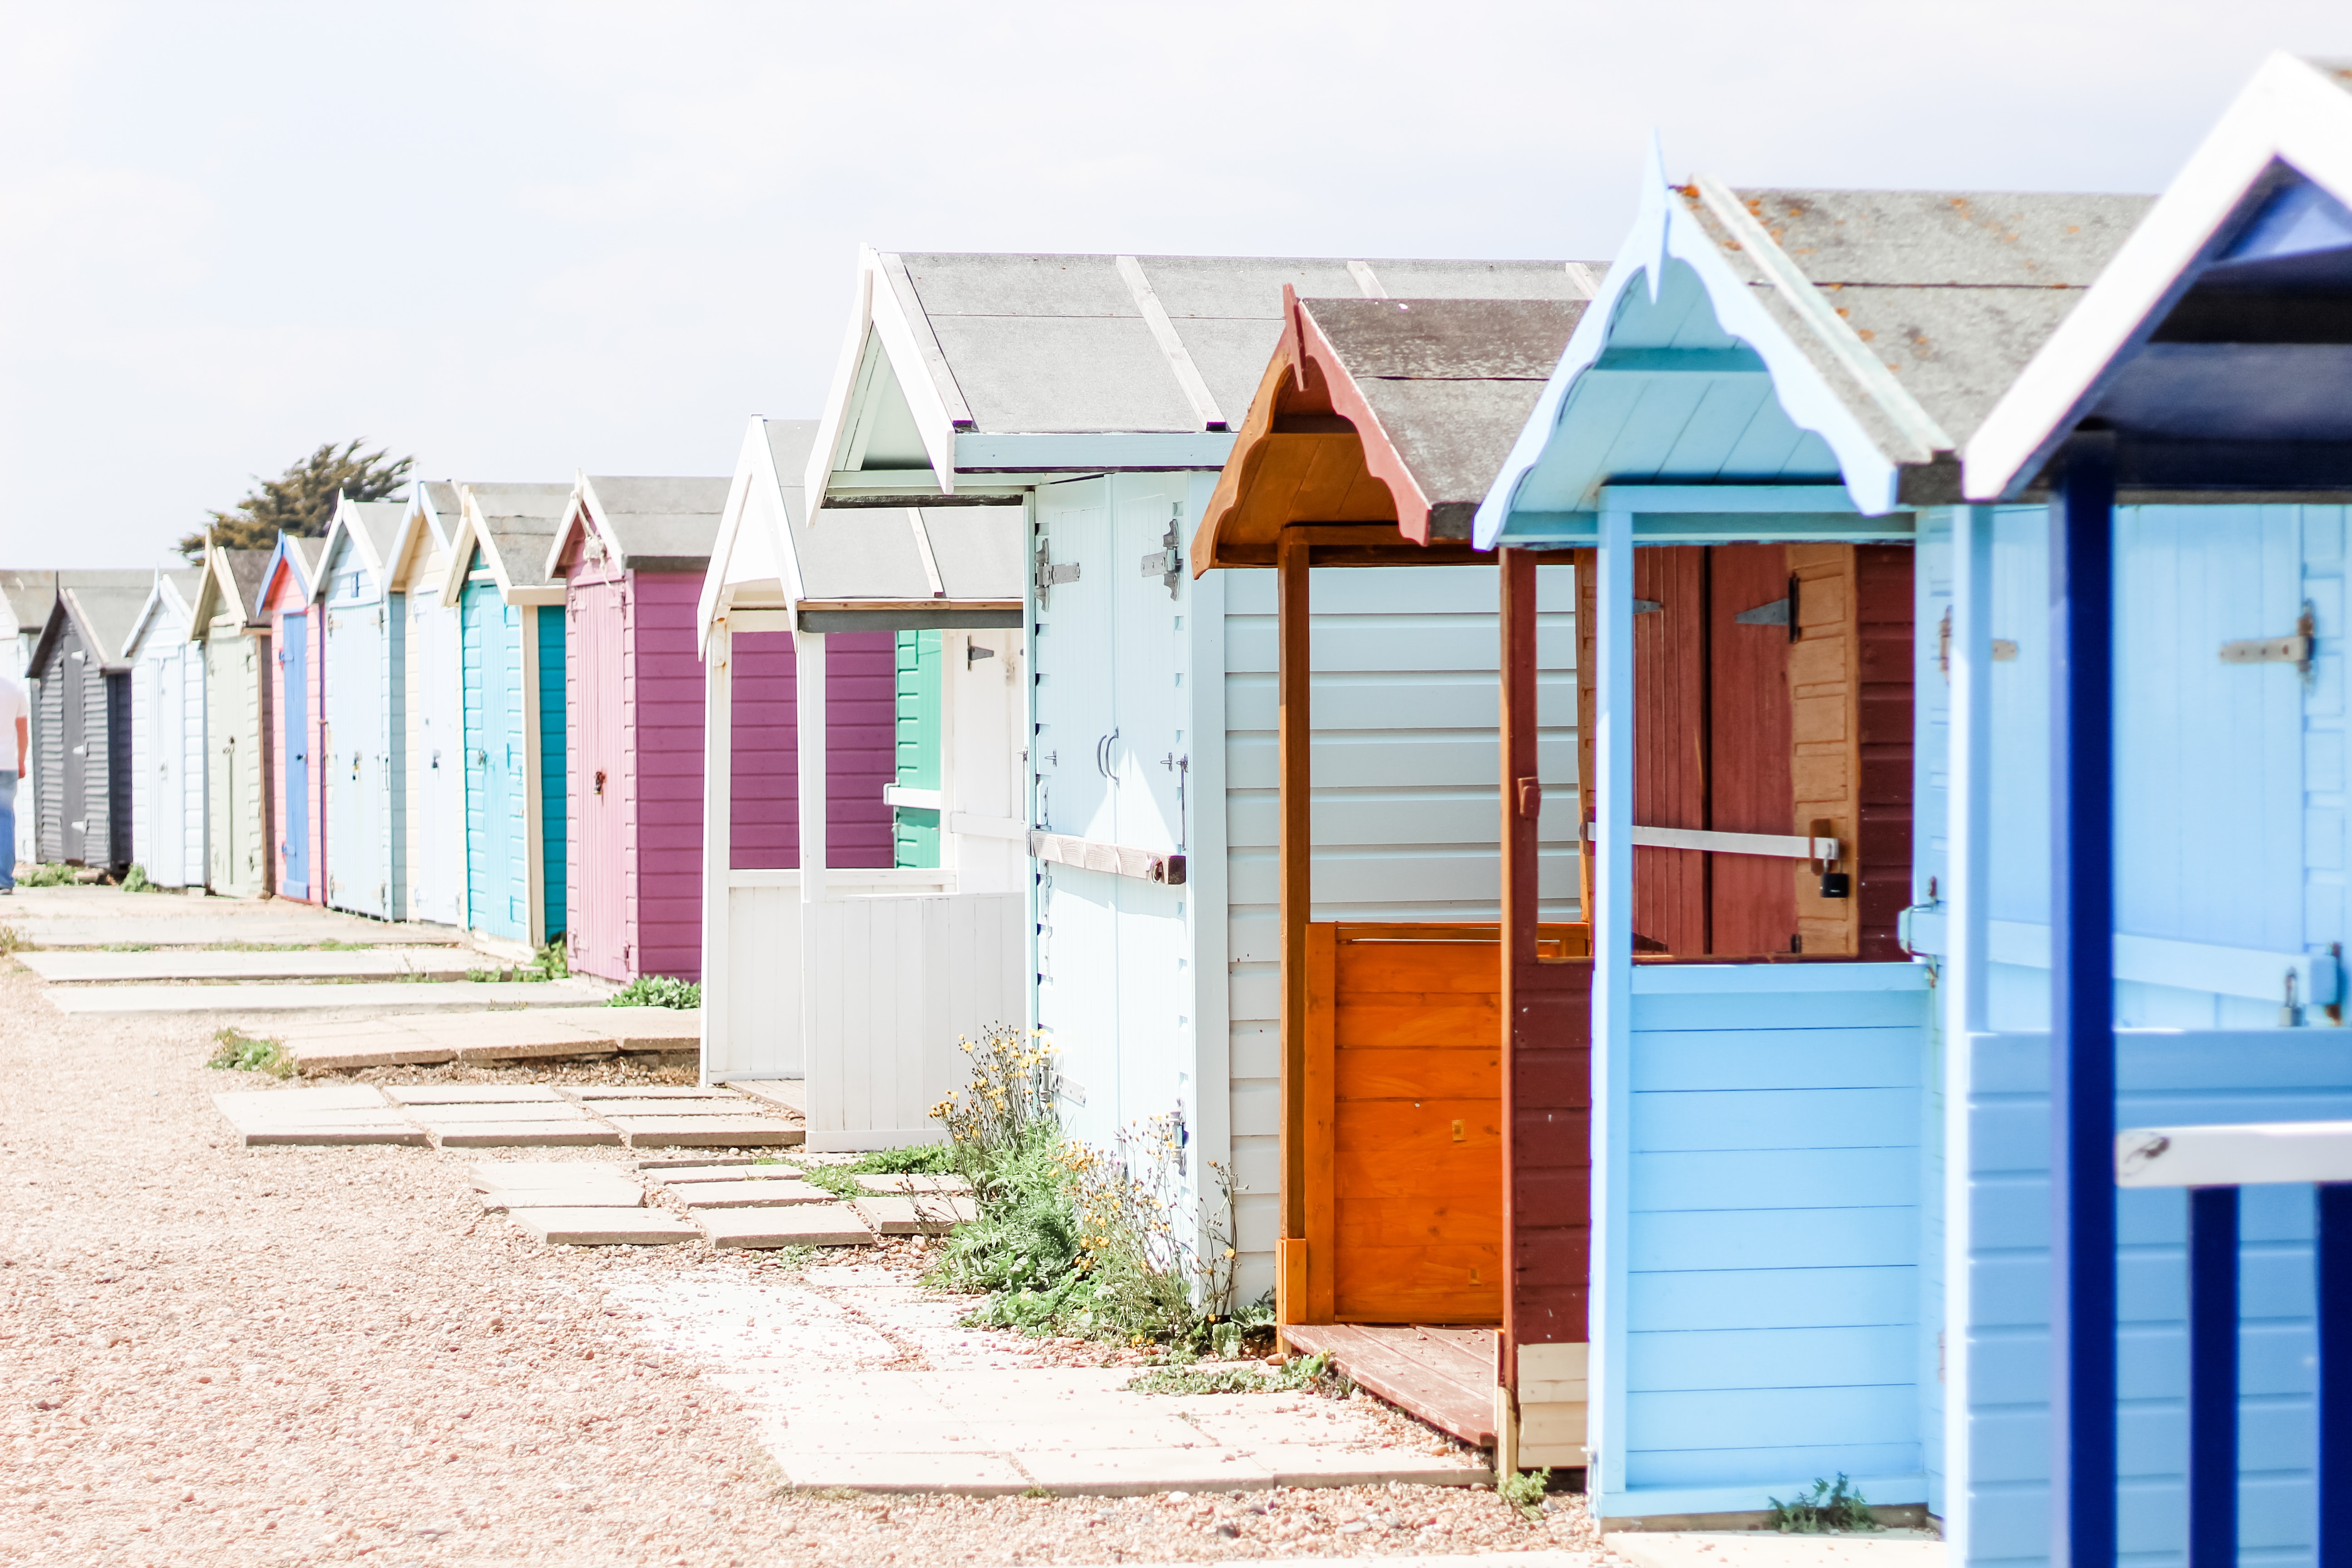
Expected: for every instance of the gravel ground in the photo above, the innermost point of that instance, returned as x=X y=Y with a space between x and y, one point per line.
x=218 y=1356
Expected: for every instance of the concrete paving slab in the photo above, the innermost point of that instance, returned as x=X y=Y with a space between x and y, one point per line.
x=602 y=1228
x=583 y=1134
x=705 y=1133
x=789 y=1093
x=381 y=1048
x=732 y=1106
x=908 y=1214
x=362 y=997
x=469 y=1093
x=581 y=1195
x=801 y=1225
x=913 y=1181
x=974 y=1475
x=740 y=1170
x=1131 y=1472
x=1759 y=1549
x=88 y=967
x=747 y=1195
x=518 y=1174
x=502 y=1111
x=589 y=1091
x=641 y=1029
x=333 y=1135
x=178 y=925
x=1358 y=1465
x=287 y=1103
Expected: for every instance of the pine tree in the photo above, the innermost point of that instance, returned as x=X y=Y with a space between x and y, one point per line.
x=301 y=501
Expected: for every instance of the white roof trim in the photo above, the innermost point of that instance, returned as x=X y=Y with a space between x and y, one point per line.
x=1180 y=359
x=582 y=509
x=2289 y=114
x=343 y=528
x=1665 y=229
x=472 y=530
x=886 y=308
x=755 y=468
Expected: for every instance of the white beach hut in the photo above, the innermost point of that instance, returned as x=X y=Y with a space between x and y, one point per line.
x=167 y=724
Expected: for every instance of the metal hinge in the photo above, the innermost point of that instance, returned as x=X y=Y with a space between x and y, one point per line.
x=1167 y=563
x=1050 y=571
x=2294 y=649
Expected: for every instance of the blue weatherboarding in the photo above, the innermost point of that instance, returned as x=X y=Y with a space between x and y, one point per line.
x=510 y=670
x=2127 y=882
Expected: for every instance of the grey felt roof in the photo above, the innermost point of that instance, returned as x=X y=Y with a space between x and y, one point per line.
x=663 y=524
x=874 y=554
x=29 y=597
x=108 y=613
x=1060 y=343
x=1955 y=290
x=1450 y=381
x=247 y=567
x=519 y=520
x=378 y=521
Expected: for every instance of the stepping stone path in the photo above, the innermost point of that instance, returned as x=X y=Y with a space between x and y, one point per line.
x=540 y=1034
x=82 y=967
x=740 y=1204
x=495 y=1116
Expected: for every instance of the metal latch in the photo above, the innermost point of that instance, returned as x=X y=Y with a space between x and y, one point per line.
x=1167 y=563
x=2295 y=650
x=1050 y=571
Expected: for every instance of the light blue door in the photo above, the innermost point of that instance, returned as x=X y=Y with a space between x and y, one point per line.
x=294 y=643
x=498 y=886
x=358 y=801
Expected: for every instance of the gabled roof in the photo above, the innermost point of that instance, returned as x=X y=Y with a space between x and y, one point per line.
x=167 y=612
x=29 y=596
x=1381 y=411
x=371 y=528
x=231 y=583
x=425 y=530
x=295 y=557
x=102 y=614
x=1816 y=336
x=513 y=526
x=644 y=524
x=2217 y=345
x=860 y=569
x=959 y=367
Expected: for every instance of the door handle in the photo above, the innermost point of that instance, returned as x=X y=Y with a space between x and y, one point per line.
x=1102 y=756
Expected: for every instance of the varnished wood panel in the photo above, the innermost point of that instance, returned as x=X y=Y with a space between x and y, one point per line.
x=1670 y=743
x=1751 y=903
x=1883 y=627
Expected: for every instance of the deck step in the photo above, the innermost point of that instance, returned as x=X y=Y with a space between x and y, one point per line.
x=1444 y=1376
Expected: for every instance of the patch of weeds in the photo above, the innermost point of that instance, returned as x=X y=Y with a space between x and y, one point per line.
x=656 y=991
x=1524 y=1491
x=128 y=947
x=135 y=879
x=1828 y=1506
x=10 y=940
x=237 y=1052
x=793 y=1259
x=1310 y=1373
x=56 y=874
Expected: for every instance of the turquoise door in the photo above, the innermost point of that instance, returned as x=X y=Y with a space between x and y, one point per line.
x=915 y=830
x=497 y=870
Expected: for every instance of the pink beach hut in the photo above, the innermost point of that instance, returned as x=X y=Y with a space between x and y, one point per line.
x=633 y=554
x=292 y=718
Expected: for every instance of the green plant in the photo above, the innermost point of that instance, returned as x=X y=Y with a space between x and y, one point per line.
x=56 y=874
x=554 y=960
x=1828 y=1506
x=128 y=947
x=1307 y=1372
x=1524 y=1490
x=237 y=1052
x=135 y=879
x=656 y=991
x=10 y=940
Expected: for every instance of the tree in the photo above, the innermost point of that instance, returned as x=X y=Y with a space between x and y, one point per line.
x=301 y=501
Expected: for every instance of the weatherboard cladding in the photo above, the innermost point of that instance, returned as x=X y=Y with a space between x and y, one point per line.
x=1954 y=291
x=1060 y=343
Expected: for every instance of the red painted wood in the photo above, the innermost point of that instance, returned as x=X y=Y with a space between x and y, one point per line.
x=1670 y=749
x=1883 y=577
x=1751 y=900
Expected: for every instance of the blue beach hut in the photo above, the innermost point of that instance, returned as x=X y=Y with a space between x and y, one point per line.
x=1823 y=1200
x=362 y=780
x=510 y=673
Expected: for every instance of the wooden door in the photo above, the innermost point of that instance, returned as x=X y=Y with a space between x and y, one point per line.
x=73 y=678
x=598 y=926
x=294 y=714
x=1751 y=900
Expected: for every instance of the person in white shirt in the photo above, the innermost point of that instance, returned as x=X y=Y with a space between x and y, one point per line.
x=16 y=714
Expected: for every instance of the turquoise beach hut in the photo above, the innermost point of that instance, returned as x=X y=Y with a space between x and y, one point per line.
x=2110 y=437
x=363 y=751
x=510 y=675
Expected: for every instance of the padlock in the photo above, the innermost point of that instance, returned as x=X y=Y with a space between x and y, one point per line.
x=1836 y=885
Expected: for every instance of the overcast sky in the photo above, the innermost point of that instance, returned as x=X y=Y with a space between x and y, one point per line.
x=519 y=240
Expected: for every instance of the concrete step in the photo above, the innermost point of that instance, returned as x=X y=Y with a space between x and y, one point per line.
x=539 y=1033
x=191 y=928
x=362 y=998
x=88 y=967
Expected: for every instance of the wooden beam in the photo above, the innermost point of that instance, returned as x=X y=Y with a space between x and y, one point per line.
x=1294 y=734
x=1522 y=806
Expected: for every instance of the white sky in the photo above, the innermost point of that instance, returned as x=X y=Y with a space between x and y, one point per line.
x=521 y=239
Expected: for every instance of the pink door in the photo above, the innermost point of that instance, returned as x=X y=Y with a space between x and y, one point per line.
x=599 y=792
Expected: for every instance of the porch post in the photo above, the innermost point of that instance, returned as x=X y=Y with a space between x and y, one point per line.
x=1522 y=801
x=718 y=842
x=2081 y=1007
x=2332 y=1250
x=1967 y=879
x=1612 y=997
x=1294 y=735
x=808 y=755
x=2213 y=1377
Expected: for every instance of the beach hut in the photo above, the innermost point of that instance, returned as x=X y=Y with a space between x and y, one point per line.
x=862 y=857
x=511 y=680
x=1098 y=393
x=2153 y=944
x=1433 y=1182
x=364 y=733
x=167 y=729
x=231 y=637
x=292 y=712
x=631 y=554
x=26 y=598
x=432 y=708
x=83 y=727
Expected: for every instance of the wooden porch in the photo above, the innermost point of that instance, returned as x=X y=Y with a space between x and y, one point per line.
x=1444 y=1376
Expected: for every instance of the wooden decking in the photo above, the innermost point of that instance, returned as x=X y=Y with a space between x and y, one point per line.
x=1444 y=1376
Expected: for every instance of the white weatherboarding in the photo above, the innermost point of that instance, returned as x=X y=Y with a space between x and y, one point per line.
x=863 y=980
x=433 y=738
x=167 y=735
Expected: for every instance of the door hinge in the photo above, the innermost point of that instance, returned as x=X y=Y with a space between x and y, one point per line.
x=1051 y=572
x=1167 y=563
x=2294 y=649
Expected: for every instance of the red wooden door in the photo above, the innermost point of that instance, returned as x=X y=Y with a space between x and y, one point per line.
x=600 y=922
x=1751 y=898
x=1670 y=751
